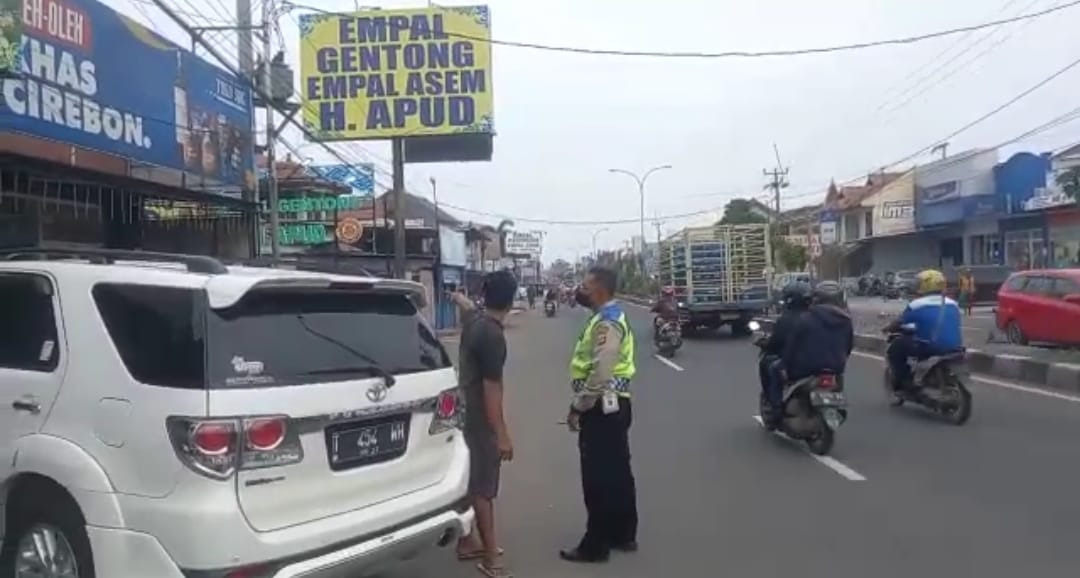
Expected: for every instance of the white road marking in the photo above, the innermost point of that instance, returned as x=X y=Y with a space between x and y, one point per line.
x=997 y=382
x=827 y=461
x=667 y=362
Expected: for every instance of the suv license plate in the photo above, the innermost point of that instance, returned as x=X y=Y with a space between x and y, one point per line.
x=357 y=444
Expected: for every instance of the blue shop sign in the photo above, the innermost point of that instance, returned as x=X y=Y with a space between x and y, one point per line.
x=940 y=193
x=981 y=206
x=94 y=78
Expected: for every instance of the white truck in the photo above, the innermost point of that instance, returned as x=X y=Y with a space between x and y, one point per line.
x=720 y=274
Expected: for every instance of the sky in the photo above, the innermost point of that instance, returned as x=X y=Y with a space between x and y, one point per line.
x=563 y=120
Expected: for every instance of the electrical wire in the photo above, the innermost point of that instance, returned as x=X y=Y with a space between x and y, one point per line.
x=744 y=53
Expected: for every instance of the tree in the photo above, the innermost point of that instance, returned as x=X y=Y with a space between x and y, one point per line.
x=791 y=257
x=742 y=212
x=1069 y=181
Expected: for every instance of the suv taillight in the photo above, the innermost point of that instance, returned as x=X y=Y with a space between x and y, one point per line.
x=449 y=412
x=217 y=448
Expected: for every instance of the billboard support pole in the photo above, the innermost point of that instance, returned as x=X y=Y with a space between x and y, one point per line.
x=397 y=144
x=271 y=133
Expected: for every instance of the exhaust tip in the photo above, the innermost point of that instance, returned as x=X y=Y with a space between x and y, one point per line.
x=446 y=538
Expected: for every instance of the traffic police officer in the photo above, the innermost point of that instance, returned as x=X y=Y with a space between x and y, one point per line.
x=600 y=371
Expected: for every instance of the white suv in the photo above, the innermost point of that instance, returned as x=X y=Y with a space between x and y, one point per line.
x=166 y=416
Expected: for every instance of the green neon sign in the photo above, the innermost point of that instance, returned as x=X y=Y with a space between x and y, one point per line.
x=304 y=234
x=306 y=204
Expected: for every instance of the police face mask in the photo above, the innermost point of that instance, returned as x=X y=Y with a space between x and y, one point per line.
x=582 y=297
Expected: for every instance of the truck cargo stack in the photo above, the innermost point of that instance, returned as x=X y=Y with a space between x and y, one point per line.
x=719 y=273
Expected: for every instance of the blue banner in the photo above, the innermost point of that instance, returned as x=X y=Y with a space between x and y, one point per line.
x=360 y=177
x=94 y=78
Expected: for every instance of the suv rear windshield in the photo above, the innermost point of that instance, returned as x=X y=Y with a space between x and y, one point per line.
x=273 y=338
x=168 y=337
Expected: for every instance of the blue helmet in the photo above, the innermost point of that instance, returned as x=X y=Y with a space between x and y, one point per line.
x=796 y=295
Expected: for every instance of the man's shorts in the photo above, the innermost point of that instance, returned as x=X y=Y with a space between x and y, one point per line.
x=484 y=466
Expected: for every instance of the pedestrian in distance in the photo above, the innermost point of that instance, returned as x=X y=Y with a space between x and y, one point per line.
x=481 y=359
x=601 y=368
x=967 y=290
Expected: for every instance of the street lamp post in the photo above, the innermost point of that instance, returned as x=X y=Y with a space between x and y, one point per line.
x=641 y=193
x=595 y=255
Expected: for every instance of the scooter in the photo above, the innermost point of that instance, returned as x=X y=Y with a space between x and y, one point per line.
x=812 y=409
x=549 y=308
x=668 y=339
x=940 y=384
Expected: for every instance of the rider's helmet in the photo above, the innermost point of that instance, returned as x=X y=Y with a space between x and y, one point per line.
x=796 y=295
x=830 y=293
x=667 y=292
x=930 y=281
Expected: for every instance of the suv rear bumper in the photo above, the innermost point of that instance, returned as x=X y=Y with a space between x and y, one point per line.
x=127 y=554
x=201 y=527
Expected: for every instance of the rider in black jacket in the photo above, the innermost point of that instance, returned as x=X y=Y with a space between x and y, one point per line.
x=796 y=300
x=823 y=337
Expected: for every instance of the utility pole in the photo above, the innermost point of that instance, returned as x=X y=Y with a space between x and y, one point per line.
x=438 y=239
x=778 y=180
x=397 y=145
x=271 y=131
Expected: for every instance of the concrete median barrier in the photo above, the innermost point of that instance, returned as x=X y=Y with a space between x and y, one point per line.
x=1063 y=377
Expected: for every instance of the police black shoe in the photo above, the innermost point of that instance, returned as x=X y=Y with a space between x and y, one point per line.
x=576 y=555
x=630 y=546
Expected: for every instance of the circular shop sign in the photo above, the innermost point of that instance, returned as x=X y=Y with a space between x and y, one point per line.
x=349 y=230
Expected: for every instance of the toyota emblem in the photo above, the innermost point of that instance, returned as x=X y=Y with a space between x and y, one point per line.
x=376 y=393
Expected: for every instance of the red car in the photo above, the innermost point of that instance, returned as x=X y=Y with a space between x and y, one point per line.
x=1041 y=306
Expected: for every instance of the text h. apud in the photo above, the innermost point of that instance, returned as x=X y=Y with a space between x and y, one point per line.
x=403 y=68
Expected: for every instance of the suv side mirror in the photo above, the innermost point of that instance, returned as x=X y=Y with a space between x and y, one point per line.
x=1073 y=298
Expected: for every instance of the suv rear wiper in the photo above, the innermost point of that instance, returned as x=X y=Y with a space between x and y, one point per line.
x=372 y=369
x=373 y=366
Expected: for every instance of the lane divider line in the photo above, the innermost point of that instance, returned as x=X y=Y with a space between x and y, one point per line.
x=828 y=461
x=668 y=362
x=997 y=382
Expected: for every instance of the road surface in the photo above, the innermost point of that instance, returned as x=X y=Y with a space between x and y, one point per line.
x=904 y=495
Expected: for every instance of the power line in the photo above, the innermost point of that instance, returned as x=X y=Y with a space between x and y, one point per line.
x=744 y=53
x=918 y=88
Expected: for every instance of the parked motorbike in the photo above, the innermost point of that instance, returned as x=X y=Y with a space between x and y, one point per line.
x=668 y=338
x=549 y=308
x=939 y=384
x=812 y=409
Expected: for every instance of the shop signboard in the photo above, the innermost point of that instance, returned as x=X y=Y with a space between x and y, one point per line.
x=94 y=78
x=893 y=208
x=828 y=232
x=524 y=243
x=380 y=74
x=452 y=247
x=11 y=29
x=940 y=193
x=1047 y=198
x=359 y=177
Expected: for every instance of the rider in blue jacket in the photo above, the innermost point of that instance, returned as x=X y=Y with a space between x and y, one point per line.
x=936 y=330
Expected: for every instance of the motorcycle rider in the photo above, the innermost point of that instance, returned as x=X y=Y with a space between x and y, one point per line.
x=795 y=298
x=821 y=339
x=937 y=322
x=666 y=310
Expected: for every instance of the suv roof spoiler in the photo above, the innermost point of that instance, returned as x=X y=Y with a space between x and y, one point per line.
x=194 y=263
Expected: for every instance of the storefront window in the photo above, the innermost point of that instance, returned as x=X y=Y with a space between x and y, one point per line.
x=1025 y=250
x=984 y=249
x=1065 y=246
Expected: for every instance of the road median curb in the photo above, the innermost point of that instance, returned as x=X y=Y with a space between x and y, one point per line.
x=1062 y=377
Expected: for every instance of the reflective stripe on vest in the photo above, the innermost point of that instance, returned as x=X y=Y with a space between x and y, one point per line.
x=582 y=359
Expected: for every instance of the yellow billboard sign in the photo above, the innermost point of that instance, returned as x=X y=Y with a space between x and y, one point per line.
x=380 y=74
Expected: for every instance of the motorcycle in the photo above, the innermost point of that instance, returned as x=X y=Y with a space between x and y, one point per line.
x=812 y=408
x=939 y=384
x=549 y=308
x=668 y=338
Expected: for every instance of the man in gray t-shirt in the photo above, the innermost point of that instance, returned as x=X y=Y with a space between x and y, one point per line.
x=480 y=372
